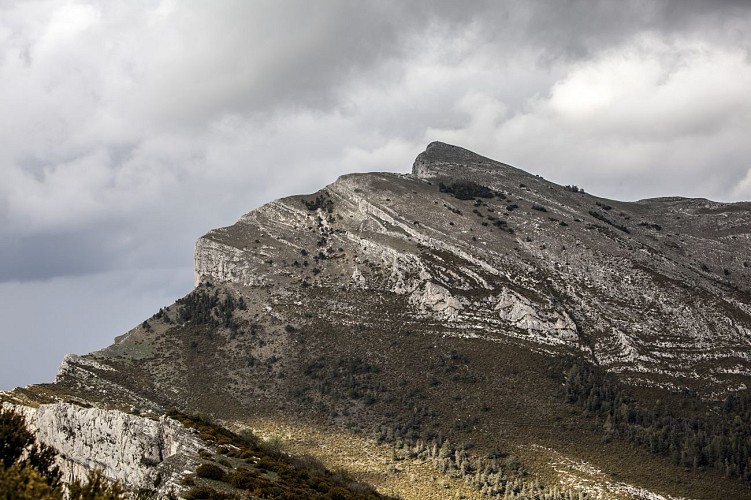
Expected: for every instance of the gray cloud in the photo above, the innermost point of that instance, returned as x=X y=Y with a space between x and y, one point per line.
x=40 y=256
x=43 y=321
x=128 y=112
x=135 y=127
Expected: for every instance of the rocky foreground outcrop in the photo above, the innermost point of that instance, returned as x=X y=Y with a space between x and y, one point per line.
x=142 y=453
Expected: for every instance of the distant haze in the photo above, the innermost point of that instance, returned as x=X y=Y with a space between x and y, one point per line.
x=131 y=128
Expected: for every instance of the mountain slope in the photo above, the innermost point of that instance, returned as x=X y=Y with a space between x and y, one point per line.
x=468 y=314
x=622 y=271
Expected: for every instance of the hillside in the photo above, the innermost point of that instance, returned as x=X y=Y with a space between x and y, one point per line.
x=468 y=328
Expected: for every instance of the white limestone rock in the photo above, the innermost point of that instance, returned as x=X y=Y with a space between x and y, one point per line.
x=523 y=314
x=140 y=452
x=437 y=301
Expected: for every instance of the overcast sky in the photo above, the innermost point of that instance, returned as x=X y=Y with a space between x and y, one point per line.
x=129 y=129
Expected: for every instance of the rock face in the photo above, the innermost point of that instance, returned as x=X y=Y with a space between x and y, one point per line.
x=141 y=453
x=520 y=312
x=438 y=302
x=657 y=287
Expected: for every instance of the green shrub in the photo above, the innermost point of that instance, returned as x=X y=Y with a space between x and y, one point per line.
x=272 y=446
x=201 y=492
x=18 y=448
x=96 y=487
x=25 y=483
x=466 y=190
x=245 y=479
x=210 y=471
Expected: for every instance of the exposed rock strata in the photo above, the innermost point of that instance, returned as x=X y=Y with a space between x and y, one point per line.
x=142 y=453
x=649 y=281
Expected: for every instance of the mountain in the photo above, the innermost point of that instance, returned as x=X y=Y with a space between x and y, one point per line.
x=466 y=329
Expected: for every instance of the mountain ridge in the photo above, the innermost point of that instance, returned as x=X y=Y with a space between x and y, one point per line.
x=451 y=305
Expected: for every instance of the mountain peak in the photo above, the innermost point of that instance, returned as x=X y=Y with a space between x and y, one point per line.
x=441 y=159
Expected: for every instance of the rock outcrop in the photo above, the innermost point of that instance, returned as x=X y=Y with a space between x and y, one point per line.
x=148 y=454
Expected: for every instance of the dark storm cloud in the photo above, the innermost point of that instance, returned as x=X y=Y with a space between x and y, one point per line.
x=39 y=256
x=576 y=29
x=250 y=57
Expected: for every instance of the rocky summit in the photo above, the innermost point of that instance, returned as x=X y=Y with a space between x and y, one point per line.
x=464 y=330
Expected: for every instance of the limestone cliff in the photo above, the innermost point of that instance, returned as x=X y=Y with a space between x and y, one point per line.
x=141 y=453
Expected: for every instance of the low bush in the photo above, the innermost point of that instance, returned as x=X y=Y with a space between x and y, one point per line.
x=210 y=471
x=201 y=492
x=466 y=190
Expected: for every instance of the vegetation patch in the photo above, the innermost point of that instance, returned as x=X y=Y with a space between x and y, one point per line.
x=264 y=471
x=650 y=225
x=351 y=377
x=319 y=202
x=719 y=437
x=597 y=215
x=206 y=307
x=466 y=190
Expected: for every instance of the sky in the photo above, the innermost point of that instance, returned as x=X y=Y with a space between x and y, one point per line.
x=129 y=129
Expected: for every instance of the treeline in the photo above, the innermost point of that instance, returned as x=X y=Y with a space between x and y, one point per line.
x=412 y=425
x=466 y=190
x=496 y=474
x=720 y=438
x=203 y=307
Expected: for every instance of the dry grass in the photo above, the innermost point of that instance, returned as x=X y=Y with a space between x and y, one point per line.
x=364 y=460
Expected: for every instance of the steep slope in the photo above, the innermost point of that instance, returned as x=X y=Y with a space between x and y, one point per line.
x=657 y=288
x=448 y=313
